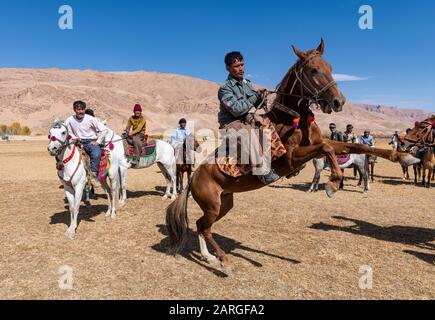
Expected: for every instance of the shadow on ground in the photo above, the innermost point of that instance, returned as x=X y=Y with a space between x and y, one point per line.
x=228 y=245
x=85 y=214
x=419 y=237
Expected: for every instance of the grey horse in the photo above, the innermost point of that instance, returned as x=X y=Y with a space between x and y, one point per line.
x=359 y=161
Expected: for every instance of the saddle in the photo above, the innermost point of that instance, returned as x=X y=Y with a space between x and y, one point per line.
x=104 y=168
x=229 y=165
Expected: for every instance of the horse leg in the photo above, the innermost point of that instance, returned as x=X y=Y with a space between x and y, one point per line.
x=394 y=156
x=189 y=177
x=87 y=196
x=123 y=186
x=178 y=180
x=108 y=192
x=301 y=155
x=227 y=203
x=182 y=183
x=168 y=178
x=429 y=177
x=342 y=181
x=70 y=195
x=319 y=165
x=372 y=171
x=215 y=206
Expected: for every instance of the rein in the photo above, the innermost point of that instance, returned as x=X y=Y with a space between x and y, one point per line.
x=314 y=92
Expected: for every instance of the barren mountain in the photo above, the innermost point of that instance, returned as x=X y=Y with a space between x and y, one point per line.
x=36 y=97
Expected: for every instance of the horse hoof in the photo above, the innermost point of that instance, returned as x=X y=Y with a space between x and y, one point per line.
x=165 y=197
x=70 y=235
x=330 y=192
x=227 y=270
x=310 y=191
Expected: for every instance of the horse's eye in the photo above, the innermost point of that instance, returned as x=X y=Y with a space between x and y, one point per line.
x=314 y=71
x=64 y=133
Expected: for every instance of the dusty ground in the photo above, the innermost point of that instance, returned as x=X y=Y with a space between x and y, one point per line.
x=284 y=243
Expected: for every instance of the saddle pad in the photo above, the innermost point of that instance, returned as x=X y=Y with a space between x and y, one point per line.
x=230 y=167
x=103 y=172
x=148 y=150
x=342 y=159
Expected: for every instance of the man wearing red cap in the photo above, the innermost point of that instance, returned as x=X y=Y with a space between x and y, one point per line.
x=136 y=127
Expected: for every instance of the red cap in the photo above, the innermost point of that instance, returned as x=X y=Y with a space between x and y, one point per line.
x=137 y=108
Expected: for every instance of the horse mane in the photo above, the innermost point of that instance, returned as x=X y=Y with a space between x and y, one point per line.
x=57 y=124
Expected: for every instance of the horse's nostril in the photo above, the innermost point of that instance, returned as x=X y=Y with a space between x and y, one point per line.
x=337 y=103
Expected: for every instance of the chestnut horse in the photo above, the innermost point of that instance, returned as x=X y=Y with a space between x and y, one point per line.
x=422 y=136
x=309 y=81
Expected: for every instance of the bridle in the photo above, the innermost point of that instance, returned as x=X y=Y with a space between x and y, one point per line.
x=307 y=92
x=428 y=134
x=63 y=144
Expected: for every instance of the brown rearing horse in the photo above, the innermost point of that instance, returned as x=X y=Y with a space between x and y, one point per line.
x=186 y=167
x=309 y=80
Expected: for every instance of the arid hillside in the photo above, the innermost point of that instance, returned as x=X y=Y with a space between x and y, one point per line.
x=36 y=97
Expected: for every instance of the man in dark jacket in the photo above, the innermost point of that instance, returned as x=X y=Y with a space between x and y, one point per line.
x=237 y=97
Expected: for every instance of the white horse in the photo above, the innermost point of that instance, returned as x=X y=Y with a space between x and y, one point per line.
x=72 y=172
x=359 y=161
x=165 y=160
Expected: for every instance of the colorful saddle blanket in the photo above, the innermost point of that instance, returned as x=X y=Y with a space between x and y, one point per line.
x=103 y=172
x=147 y=151
x=231 y=167
x=342 y=159
x=148 y=155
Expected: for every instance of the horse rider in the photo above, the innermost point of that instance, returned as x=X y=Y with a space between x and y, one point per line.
x=178 y=138
x=395 y=140
x=136 y=130
x=349 y=136
x=237 y=97
x=367 y=139
x=88 y=131
x=335 y=134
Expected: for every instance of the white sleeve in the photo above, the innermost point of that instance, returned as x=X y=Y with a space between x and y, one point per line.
x=101 y=130
x=70 y=129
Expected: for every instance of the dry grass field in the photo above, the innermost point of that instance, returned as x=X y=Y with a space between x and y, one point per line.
x=283 y=242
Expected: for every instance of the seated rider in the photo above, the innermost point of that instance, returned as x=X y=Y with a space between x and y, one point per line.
x=237 y=97
x=136 y=128
x=178 y=139
x=367 y=139
x=88 y=131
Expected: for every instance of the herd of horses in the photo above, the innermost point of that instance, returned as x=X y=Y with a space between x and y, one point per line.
x=308 y=82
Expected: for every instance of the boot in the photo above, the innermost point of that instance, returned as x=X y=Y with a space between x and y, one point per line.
x=269 y=178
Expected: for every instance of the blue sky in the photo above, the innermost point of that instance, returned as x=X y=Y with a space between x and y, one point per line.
x=396 y=60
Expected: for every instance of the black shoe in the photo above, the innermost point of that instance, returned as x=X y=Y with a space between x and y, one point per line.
x=269 y=178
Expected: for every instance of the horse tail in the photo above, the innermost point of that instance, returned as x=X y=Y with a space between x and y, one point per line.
x=177 y=221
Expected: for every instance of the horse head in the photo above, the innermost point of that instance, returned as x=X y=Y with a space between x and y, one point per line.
x=310 y=80
x=58 y=138
x=422 y=133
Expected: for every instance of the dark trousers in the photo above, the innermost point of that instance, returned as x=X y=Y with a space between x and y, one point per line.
x=138 y=140
x=94 y=153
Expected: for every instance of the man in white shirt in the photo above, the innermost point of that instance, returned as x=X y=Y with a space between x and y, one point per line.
x=89 y=132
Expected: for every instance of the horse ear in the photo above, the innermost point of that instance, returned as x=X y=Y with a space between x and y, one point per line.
x=321 y=47
x=299 y=53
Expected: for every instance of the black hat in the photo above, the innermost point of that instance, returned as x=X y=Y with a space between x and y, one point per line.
x=90 y=112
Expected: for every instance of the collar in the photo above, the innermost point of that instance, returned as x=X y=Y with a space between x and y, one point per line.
x=233 y=81
x=70 y=157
